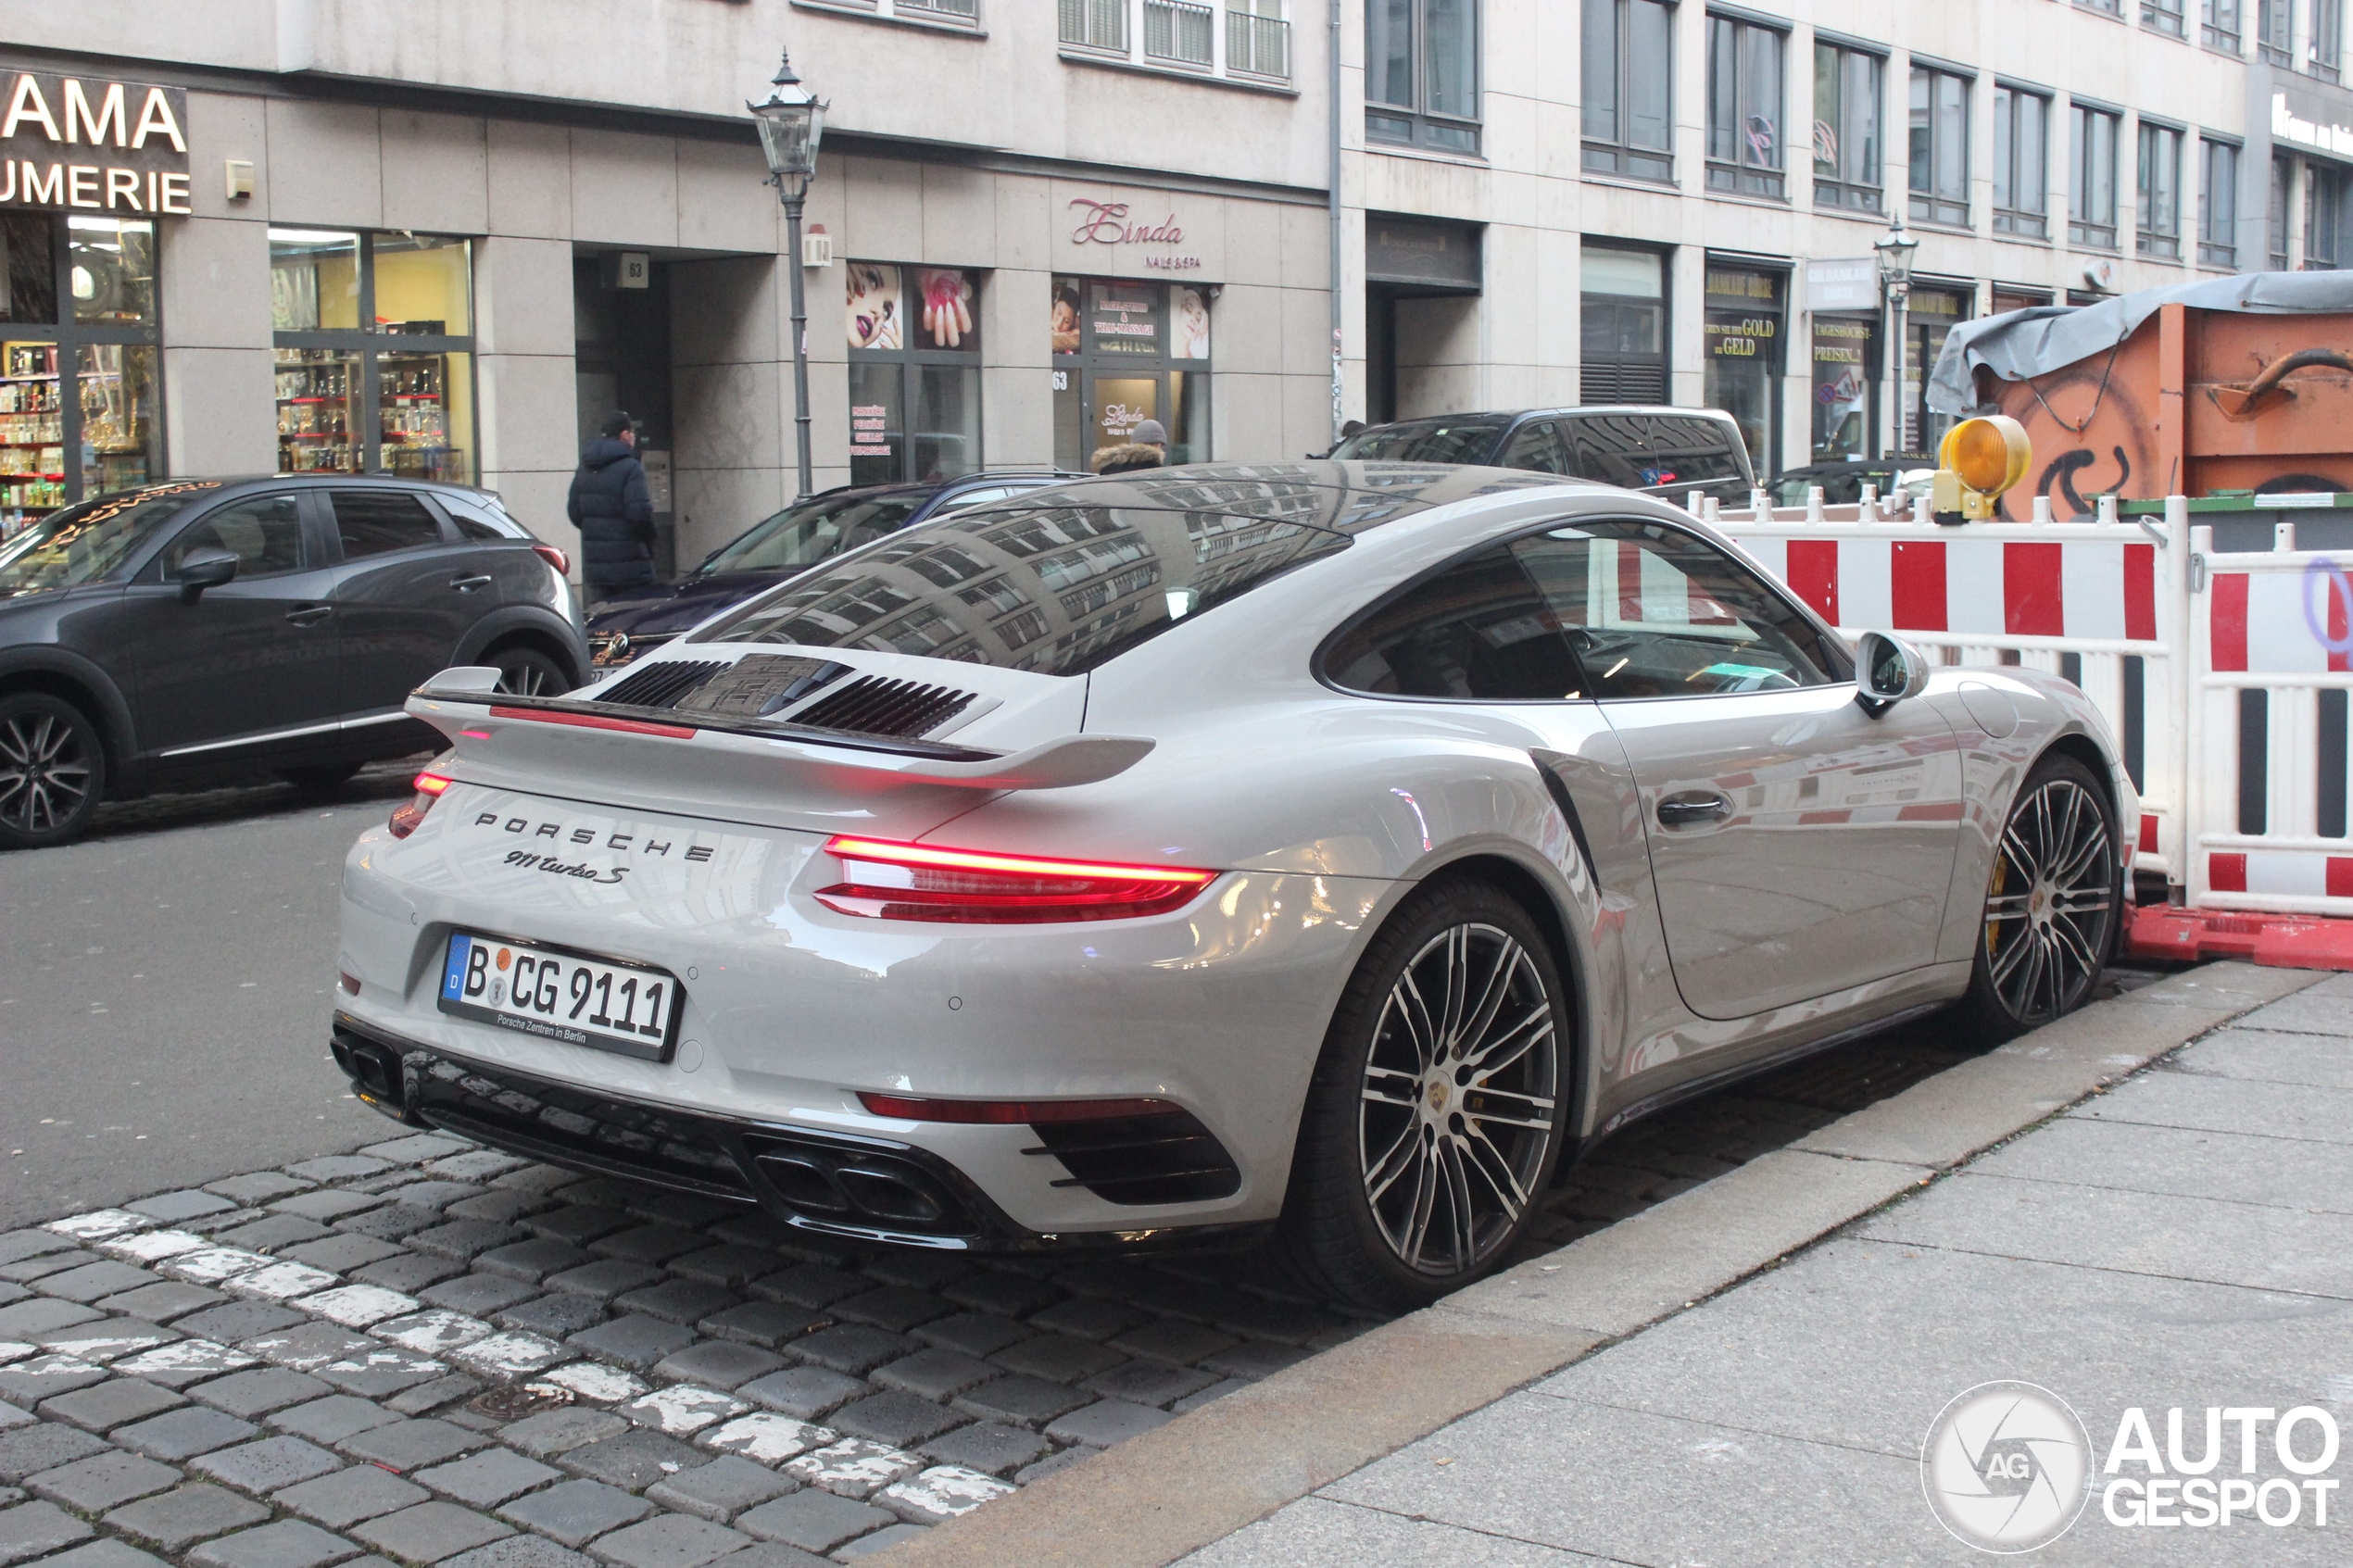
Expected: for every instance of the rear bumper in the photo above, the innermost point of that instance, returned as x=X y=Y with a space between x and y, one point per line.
x=830 y=1183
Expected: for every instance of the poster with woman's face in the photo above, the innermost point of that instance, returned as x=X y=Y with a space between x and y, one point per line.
x=1189 y=335
x=874 y=312
x=1065 y=315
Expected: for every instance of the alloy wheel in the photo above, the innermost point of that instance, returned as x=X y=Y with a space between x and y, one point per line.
x=2050 y=902
x=523 y=678
x=1458 y=1099
x=44 y=773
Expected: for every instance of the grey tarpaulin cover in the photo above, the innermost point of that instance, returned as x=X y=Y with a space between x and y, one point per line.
x=2018 y=344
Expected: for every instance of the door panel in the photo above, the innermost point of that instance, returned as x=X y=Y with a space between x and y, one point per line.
x=404 y=597
x=1804 y=846
x=252 y=658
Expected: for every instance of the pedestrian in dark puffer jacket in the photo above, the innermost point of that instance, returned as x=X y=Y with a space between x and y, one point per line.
x=613 y=511
x=1146 y=448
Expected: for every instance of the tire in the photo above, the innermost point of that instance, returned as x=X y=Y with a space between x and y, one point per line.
x=319 y=777
x=2051 y=904
x=528 y=673
x=53 y=771
x=1405 y=1187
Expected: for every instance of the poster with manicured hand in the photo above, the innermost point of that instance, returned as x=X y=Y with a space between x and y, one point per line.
x=947 y=295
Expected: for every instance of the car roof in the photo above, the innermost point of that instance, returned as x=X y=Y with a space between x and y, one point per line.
x=1570 y=409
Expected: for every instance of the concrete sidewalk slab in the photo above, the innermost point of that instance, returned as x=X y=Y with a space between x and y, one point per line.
x=1858 y=1344
x=2272 y=1055
x=2186 y=1162
x=1314 y=1530
x=2229 y=1105
x=2163 y=1235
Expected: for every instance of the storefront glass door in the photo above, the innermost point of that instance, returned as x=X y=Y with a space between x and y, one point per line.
x=1126 y=352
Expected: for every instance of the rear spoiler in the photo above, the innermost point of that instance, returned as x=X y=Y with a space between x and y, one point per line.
x=468 y=694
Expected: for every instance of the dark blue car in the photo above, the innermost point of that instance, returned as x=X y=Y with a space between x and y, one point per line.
x=622 y=628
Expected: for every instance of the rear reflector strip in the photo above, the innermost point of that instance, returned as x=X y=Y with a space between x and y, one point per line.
x=595 y=721
x=920 y=881
x=1009 y=1112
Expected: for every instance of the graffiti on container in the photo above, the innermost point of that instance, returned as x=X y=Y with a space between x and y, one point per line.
x=2067 y=465
x=2333 y=628
x=2081 y=421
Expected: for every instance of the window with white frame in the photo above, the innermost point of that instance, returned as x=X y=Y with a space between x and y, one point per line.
x=1257 y=38
x=1177 y=34
x=2022 y=162
x=1421 y=73
x=2158 y=192
x=2217 y=202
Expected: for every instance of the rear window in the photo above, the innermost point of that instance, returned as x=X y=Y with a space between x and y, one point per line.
x=1689 y=451
x=1424 y=441
x=803 y=536
x=1055 y=589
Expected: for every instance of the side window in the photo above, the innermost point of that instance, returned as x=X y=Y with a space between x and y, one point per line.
x=1537 y=446
x=1688 y=451
x=1610 y=447
x=475 y=532
x=1478 y=632
x=375 y=521
x=1653 y=612
x=979 y=498
x=264 y=533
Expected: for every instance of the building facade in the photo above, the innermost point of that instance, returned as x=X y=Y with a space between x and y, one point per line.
x=443 y=238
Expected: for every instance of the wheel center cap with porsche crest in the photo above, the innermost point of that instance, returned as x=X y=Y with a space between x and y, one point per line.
x=1438 y=1094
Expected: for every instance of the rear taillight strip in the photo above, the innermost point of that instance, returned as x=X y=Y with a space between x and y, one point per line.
x=889 y=880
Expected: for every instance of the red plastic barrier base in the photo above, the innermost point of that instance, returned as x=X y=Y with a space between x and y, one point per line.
x=2161 y=931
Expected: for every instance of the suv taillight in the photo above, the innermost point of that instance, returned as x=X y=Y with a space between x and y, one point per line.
x=892 y=881
x=409 y=812
x=555 y=558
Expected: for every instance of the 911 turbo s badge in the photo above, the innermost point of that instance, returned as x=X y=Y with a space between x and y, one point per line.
x=557 y=867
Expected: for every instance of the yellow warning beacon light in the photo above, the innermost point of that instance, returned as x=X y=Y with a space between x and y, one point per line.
x=1977 y=461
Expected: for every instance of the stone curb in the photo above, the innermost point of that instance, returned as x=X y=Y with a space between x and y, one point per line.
x=1173 y=1490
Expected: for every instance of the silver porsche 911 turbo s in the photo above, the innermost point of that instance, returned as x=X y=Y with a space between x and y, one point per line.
x=1326 y=849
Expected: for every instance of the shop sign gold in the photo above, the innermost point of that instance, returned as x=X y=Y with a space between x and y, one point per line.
x=93 y=145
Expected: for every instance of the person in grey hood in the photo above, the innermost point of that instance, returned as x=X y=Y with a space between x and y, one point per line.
x=1146 y=448
x=614 y=513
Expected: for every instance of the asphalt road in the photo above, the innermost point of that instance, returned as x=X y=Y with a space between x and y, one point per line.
x=164 y=989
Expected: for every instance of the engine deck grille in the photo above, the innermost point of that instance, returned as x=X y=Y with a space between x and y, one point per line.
x=876 y=705
x=660 y=684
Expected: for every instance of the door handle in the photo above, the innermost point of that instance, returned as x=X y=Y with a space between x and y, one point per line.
x=310 y=615
x=1693 y=806
x=468 y=584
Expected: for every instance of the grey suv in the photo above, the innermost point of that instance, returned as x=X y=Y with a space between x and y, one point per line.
x=201 y=628
x=1668 y=452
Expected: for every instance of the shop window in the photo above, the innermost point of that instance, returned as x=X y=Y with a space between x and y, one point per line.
x=914 y=372
x=1846 y=373
x=1745 y=95
x=1745 y=315
x=1421 y=73
x=2218 y=25
x=2091 y=196
x=1124 y=352
x=79 y=361
x=2162 y=15
x=374 y=336
x=1847 y=128
x=2158 y=192
x=2217 y=202
x=2022 y=157
x=1622 y=312
x=1939 y=146
x=1930 y=314
x=1629 y=114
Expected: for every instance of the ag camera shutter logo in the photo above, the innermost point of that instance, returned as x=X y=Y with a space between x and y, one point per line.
x=2007 y=1467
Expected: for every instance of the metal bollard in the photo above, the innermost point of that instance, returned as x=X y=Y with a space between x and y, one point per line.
x=1813 y=503
x=2042 y=508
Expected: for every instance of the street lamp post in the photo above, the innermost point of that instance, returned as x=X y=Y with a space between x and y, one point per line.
x=1896 y=276
x=792 y=121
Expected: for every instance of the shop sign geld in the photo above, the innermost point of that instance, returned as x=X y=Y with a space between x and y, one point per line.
x=76 y=144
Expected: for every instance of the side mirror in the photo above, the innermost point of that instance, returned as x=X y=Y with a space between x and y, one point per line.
x=200 y=569
x=1887 y=670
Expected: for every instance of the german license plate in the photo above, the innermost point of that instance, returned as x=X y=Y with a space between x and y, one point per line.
x=561 y=996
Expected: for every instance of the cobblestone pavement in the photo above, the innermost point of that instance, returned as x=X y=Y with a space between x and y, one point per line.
x=430 y=1353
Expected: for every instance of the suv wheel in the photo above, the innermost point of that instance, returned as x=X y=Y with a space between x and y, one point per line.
x=52 y=771
x=528 y=673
